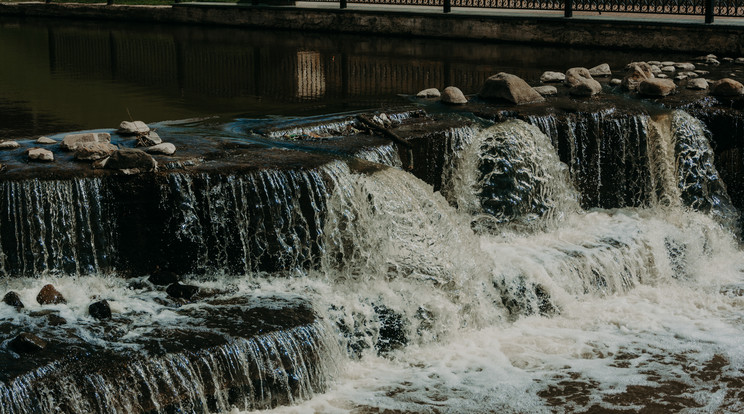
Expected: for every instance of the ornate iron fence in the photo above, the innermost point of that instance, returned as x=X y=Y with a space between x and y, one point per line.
x=707 y=8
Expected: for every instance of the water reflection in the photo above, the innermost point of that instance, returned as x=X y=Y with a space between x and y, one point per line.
x=66 y=75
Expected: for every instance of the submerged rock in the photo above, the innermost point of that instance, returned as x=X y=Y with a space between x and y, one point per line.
x=453 y=95
x=48 y=295
x=92 y=151
x=40 y=154
x=26 y=343
x=511 y=88
x=130 y=161
x=72 y=141
x=548 y=77
x=100 y=309
x=656 y=87
x=8 y=145
x=163 y=278
x=45 y=141
x=179 y=291
x=429 y=93
x=12 y=299
x=133 y=128
x=727 y=87
x=581 y=83
x=165 y=148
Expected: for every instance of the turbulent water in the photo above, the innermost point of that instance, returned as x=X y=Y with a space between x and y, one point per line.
x=503 y=295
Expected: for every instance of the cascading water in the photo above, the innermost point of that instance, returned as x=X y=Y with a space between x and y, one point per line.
x=538 y=307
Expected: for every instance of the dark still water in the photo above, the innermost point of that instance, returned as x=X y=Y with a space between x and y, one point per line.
x=67 y=75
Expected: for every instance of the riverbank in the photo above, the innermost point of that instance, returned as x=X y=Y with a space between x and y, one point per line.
x=688 y=34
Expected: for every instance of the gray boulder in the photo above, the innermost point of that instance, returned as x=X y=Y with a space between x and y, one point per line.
x=429 y=93
x=130 y=161
x=548 y=77
x=40 y=154
x=656 y=88
x=149 y=139
x=727 y=87
x=581 y=83
x=45 y=141
x=165 y=148
x=8 y=145
x=92 y=151
x=697 y=84
x=546 y=90
x=133 y=128
x=71 y=142
x=601 y=70
x=684 y=66
x=453 y=95
x=511 y=88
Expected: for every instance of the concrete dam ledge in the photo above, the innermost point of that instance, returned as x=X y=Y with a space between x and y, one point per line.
x=668 y=33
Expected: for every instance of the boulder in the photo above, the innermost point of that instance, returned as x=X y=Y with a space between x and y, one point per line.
x=655 y=69
x=71 y=142
x=100 y=309
x=581 y=83
x=26 y=343
x=12 y=299
x=149 y=139
x=453 y=95
x=48 y=295
x=548 y=77
x=656 y=88
x=511 y=88
x=9 y=145
x=616 y=82
x=667 y=63
x=712 y=61
x=668 y=69
x=662 y=76
x=546 y=90
x=163 y=277
x=728 y=60
x=40 y=154
x=45 y=141
x=92 y=151
x=739 y=61
x=429 y=93
x=165 y=148
x=654 y=62
x=130 y=161
x=727 y=87
x=635 y=73
x=701 y=72
x=680 y=77
x=133 y=128
x=601 y=70
x=684 y=66
x=179 y=291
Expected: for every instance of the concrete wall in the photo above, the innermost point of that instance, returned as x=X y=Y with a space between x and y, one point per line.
x=665 y=34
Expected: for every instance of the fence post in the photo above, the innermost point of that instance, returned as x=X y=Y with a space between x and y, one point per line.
x=709 y=11
x=568 y=11
x=447 y=6
x=343 y=4
x=109 y=2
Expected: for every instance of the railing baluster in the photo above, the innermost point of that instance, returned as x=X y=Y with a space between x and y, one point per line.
x=447 y=6
x=709 y=11
x=568 y=12
x=343 y=4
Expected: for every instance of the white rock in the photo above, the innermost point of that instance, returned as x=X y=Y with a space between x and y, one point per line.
x=7 y=145
x=655 y=69
x=546 y=90
x=668 y=69
x=453 y=95
x=616 y=82
x=133 y=128
x=662 y=76
x=697 y=84
x=552 y=77
x=165 y=148
x=739 y=61
x=667 y=63
x=684 y=66
x=429 y=93
x=40 y=154
x=45 y=141
x=92 y=151
x=70 y=142
x=654 y=63
x=601 y=70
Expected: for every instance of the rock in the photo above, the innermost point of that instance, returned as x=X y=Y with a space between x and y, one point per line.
x=179 y=291
x=656 y=88
x=130 y=161
x=546 y=90
x=40 y=154
x=690 y=74
x=667 y=63
x=701 y=72
x=662 y=76
x=9 y=145
x=92 y=151
x=655 y=69
x=635 y=73
x=710 y=56
x=616 y=82
x=712 y=61
x=509 y=87
x=684 y=66
x=453 y=95
x=55 y=320
x=548 y=77
x=26 y=343
x=581 y=83
x=727 y=87
x=163 y=277
x=165 y=148
x=12 y=299
x=71 y=142
x=668 y=69
x=654 y=63
x=601 y=70
x=100 y=309
x=728 y=60
x=48 y=295
x=680 y=77
x=149 y=139
x=429 y=93
x=45 y=141
x=739 y=61
x=133 y=128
